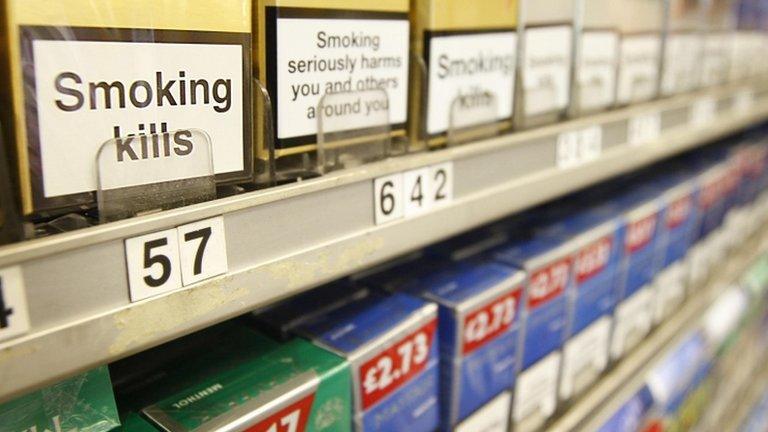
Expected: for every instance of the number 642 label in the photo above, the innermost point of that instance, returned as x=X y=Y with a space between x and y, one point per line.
x=412 y=193
x=168 y=260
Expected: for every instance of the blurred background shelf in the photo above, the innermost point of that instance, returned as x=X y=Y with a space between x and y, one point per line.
x=592 y=410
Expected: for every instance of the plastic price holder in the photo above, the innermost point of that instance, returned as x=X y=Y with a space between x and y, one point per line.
x=473 y=117
x=353 y=128
x=147 y=173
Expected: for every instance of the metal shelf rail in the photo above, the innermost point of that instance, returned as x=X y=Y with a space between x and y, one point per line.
x=288 y=239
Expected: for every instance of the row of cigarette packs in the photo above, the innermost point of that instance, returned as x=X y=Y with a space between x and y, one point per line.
x=501 y=326
x=700 y=382
x=145 y=75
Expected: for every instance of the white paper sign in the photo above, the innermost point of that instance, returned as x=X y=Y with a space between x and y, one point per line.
x=316 y=56
x=546 y=69
x=467 y=66
x=638 y=68
x=89 y=92
x=681 y=71
x=14 y=317
x=715 y=69
x=597 y=69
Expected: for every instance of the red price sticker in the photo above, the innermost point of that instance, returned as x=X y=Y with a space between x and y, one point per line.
x=640 y=233
x=548 y=282
x=393 y=367
x=292 y=418
x=678 y=211
x=710 y=193
x=489 y=321
x=593 y=258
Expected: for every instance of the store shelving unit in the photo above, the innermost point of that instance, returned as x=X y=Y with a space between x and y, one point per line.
x=288 y=239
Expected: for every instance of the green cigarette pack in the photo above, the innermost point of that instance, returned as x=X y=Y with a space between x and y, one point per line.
x=83 y=403
x=243 y=380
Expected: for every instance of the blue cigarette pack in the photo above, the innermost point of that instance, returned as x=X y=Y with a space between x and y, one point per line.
x=631 y=416
x=548 y=262
x=391 y=342
x=638 y=233
x=594 y=233
x=479 y=310
x=676 y=233
x=712 y=180
x=678 y=219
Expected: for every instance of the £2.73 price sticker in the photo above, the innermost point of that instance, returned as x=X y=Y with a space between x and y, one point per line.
x=489 y=321
x=395 y=366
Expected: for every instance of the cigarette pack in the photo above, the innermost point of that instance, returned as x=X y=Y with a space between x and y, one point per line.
x=240 y=379
x=638 y=234
x=548 y=262
x=391 y=343
x=479 y=308
x=81 y=403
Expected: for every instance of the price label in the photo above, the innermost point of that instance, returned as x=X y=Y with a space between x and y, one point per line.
x=396 y=365
x=577 y=147
x=744 y=101
x=644 y=128
x=293 y=418
x=412 y=193
x=169 y=260
x=153 y=264
x=548 y=283
x=703 y=111
x=417 y=188
x=486 y=323
x=14 y=317
x=388 y=198
x=202 y=250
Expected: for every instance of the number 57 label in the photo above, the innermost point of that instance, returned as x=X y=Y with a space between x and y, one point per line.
x=169 y=260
